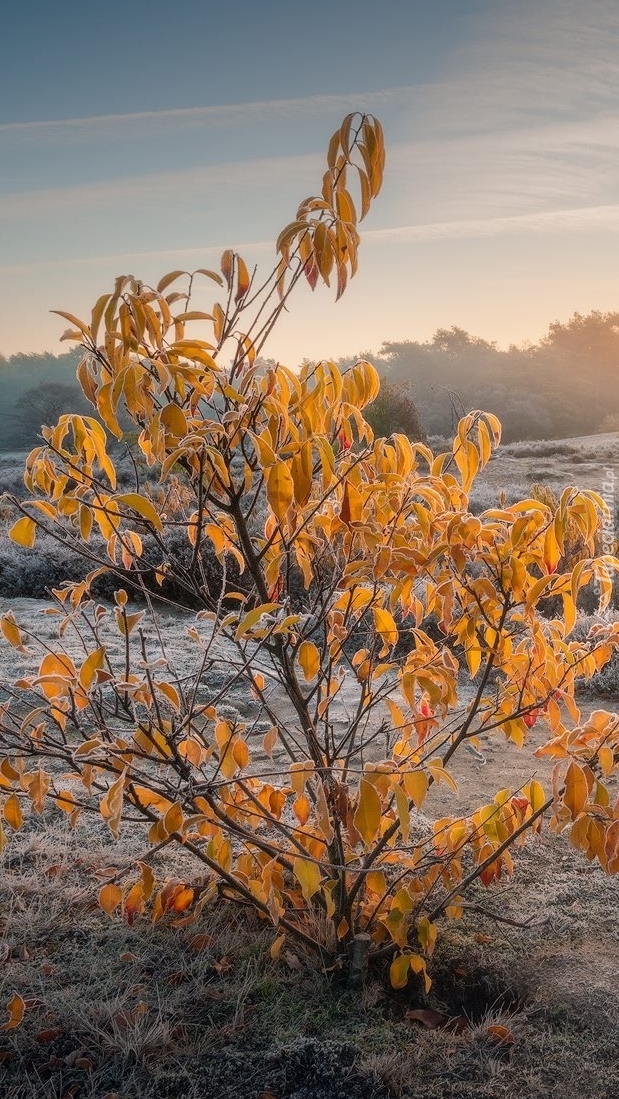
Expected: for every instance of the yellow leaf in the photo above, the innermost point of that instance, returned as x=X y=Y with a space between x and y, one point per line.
x=302 y=473
x=240 y=753
x=65 y=801
x=170 y=693
x=24 y=532
x=416 y=786
x=308 y=876
x=401 y=801
x=173 y=820
x=398 y=971
x=174 y=420
x=37 y=784
x=321 y=809
x=276 y=947
x=576 y=789
x=300 y=773
x=368 y=813
x=263 y=445
x=97 y=313
x=85 y=523
x=385 y=625
x=343 y=928
x=110 y=896
x=376 y=882
x=552 y=551
x=183 y=899
x=440 y=774
x=12 y=812
x=72 y=320
x=242 y=280
x=418 y=966
x=90 y=667
x=10 y=629
x=280 y=489
x=426 y=933
x=142 y=505
x=107 y=410
x=168 y=279
x=277 y=801
x=535 y=794
x=309 y=659
x=252 y=618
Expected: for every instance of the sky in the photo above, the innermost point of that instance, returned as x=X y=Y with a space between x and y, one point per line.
x=143 y=138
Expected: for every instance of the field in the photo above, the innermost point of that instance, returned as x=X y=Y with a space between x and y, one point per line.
x=524 y=1004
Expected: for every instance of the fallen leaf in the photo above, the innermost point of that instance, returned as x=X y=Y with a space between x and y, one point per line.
x=83 y=1063
x=437 y=1020
x=48 y=1035
x=427 y=1017
x=223 y=965
x=15 y=1008
x=200 y=942
x=501 y=1035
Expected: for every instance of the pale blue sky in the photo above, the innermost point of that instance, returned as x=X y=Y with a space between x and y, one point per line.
x=147 y=137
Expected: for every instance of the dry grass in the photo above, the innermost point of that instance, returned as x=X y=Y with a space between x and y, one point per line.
x=203 y=1011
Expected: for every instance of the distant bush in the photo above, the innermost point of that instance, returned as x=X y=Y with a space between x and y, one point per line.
x=483 y=497
x=605 y=682
x=543 y=448
x=12 y=480
x=394 y=410
x=31 y=573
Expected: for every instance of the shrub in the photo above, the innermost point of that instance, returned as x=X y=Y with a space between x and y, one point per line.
x=394 y=411
x=304 y=800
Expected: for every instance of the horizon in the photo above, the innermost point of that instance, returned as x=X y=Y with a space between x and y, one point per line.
x=69 y=347
x=500 y=209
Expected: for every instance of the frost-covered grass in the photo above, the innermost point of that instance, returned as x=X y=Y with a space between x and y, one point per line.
x=204 y=1012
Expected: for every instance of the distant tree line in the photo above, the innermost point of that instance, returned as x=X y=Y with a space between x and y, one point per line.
x=35 y=390
x=565 y=385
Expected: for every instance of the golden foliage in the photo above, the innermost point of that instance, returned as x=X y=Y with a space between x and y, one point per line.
x=344 y=545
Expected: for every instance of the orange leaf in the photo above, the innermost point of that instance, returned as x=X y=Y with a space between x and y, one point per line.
x=280 y=489
x=110 y=896
x=12 y=812
x=576 y=789
x=15 y=1007
x=183 y=899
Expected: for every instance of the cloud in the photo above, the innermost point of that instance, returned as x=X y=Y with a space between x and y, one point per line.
x=185 y=185
x=207 y=253
x=586 y=219
x=590 y=219
x=223 y=116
